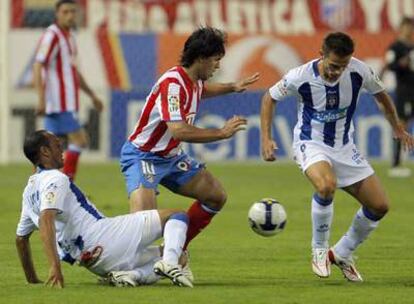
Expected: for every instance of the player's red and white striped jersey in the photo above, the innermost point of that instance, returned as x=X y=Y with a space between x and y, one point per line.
x=57 y=52
x=173 y=98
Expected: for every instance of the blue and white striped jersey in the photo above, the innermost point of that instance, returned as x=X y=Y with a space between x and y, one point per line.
x=51 y=189
x=325 y=109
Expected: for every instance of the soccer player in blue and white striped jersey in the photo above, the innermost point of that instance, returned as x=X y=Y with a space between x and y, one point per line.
x=327 y=90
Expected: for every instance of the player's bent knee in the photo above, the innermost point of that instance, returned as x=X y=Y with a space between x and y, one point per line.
x=326 y=188
x=218 y=199
x=382 y=210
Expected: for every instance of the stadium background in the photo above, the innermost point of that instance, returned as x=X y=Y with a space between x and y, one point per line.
x=126 y=44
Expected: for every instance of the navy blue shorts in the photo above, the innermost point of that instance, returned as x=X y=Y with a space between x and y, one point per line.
x=149 y=170
x=62 y=123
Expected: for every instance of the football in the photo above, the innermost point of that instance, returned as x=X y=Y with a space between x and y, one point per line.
x=267 y=217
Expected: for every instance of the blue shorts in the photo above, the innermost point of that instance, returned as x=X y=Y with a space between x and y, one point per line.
x=149 y=170
x=62 y=123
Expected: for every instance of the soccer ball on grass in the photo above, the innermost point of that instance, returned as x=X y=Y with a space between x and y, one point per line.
x=267 y=217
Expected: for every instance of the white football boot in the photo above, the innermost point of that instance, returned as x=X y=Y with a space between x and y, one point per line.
x=186 y=271
x=185 y=262
x=346 y=265
x=173 y=272
x=320 y=262
x=122 y=279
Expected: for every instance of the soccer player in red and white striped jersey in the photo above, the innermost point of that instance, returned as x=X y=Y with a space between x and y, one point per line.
x=57 y=80
x=152 y=154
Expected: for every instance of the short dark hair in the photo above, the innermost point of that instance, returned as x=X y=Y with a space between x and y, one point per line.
x=203 y=43
x=61 y=2
x=32 y=144
x=406 y=21
x=339 y=43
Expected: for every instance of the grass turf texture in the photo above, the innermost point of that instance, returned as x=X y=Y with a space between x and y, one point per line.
x=230 y=262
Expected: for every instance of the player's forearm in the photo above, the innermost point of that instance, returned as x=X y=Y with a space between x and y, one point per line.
x=266 y=116
x=216 y=89
x=388 y=108
x=193 y=134
x=85 y=87
x=38 y=82
x=25 y=256
x=48 y=237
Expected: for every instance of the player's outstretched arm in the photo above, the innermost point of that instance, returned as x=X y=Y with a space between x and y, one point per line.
x=268 y=145
x=388 y=108
x=97 y=102
x=188 y=133
x=215 y=89
x=25 y=255
x=48 y=236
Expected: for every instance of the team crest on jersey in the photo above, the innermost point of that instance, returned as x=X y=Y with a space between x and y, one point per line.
x=173 y=104
x=331 y=99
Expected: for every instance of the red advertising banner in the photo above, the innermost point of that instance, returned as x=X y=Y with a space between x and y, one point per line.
x=283 y=17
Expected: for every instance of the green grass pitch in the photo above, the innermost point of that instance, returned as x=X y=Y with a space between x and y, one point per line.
x=230 y=262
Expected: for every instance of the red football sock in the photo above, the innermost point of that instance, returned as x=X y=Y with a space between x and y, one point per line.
x=71 y=163
x=199 y=218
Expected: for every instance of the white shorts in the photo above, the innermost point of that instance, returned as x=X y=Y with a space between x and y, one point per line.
x=348 y=163
x=125 y=241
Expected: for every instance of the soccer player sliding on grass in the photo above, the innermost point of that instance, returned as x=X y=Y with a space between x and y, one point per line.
x=73 y=230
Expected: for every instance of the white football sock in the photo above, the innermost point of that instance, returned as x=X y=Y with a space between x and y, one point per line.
x=175 y=233
x=360 y=228
x=322 y=213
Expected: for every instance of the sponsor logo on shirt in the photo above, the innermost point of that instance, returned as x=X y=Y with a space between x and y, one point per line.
x=330 y=115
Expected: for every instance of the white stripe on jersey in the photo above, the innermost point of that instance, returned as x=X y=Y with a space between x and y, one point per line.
x=57 y=52
x=325 y=110
x=173 y=98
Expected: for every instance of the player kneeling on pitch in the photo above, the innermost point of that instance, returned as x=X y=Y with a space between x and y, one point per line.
x=73 y=230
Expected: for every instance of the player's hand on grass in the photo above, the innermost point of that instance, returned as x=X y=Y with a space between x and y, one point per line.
x=55 y=277
x=233 y=125
x=243 y=84
x=268 y=149
x=97 y=103
x=406 y=138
